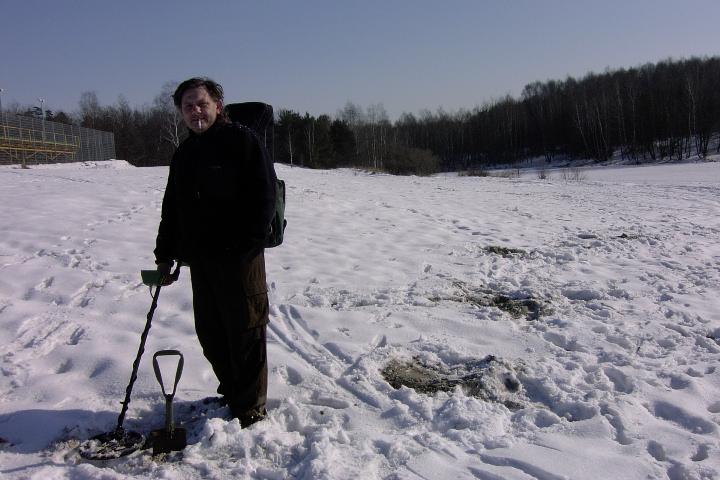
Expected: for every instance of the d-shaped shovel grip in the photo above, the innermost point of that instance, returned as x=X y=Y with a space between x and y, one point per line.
x=169 y=424
x=178 y=373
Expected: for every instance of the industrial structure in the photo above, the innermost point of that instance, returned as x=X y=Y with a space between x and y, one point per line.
x=28 y=141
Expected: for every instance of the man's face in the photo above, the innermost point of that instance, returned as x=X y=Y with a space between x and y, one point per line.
x=199 y=110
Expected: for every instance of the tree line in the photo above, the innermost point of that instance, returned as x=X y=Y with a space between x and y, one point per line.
x=666 y=110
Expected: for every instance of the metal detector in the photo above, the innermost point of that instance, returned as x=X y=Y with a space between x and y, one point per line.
x=121 y=442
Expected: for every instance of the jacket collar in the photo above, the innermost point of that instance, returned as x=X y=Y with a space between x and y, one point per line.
x=209 y=132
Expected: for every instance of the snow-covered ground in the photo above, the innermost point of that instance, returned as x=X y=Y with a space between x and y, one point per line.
x=610 y=373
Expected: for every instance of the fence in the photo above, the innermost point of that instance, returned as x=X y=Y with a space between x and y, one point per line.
x=27 y=141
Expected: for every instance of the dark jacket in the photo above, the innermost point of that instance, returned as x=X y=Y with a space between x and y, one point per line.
x=220 y=197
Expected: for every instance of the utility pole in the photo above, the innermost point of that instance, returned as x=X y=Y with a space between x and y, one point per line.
x=42 y=119
x=42 y=116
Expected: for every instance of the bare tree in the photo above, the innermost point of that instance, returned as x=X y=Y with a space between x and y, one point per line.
x=172 y=129
x=378 y=125
x=309 y=123
x=354 y=117
x=90 y=110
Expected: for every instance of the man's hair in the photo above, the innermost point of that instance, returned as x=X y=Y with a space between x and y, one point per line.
x=213 y=88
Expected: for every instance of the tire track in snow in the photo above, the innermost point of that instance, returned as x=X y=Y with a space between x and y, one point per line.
x=296 y=336
x=522 y=466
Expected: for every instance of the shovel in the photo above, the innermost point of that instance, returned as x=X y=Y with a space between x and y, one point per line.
x=170 y=438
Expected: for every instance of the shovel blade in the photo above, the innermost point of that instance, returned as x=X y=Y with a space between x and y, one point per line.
x=166 y=441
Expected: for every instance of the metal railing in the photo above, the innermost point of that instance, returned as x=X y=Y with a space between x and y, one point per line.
x=27 y=140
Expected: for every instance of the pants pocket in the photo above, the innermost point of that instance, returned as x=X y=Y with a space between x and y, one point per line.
x=258 y=310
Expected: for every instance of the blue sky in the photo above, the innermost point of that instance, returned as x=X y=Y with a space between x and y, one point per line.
x=315 y=56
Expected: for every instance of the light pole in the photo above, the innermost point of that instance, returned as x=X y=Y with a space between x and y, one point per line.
x=42 y=116
x=1 y=91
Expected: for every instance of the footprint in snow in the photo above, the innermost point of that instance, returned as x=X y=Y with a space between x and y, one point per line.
x=65 y=366
x=679 y=382
x=81 y=302
x=714 y=407
x=582 y=294
x=289 y=375
x=682 y=418
x=45 y=283
x=76 y=335
x=378 y=341
x=615 y=420
x=561 y=341
x=29 y=294
x=621 y=341
x=333 y=402
x=621 y=382
x=101 y=367
x=702 y=453
x=656 y=450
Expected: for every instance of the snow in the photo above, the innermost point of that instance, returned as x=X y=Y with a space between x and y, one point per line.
x=617 y=373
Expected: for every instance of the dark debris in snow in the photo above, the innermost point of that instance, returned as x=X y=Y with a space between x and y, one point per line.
x=518 y=305
x=504 y=251
x=489 y=379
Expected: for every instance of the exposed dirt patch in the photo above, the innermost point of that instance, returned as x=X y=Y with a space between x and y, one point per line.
x=627 y=236
x=490 y=379
x=504 y=251
x=518 y=305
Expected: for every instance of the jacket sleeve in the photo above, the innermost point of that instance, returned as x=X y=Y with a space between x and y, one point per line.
x=166 y=242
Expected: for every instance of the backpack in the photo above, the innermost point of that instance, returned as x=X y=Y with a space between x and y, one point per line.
x=258 y=117
x=278 y=223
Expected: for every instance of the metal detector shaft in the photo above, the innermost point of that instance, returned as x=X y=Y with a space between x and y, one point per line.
x=141 y=349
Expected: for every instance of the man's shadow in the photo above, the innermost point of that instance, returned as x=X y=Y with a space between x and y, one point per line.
x=35 y=431
x=31 y=431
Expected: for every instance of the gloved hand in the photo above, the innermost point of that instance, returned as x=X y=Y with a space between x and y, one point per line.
x=166 y=277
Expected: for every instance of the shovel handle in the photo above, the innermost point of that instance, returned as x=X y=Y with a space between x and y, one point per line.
x=178 y=373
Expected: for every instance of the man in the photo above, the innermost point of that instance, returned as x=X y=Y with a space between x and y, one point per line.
x=216 y=212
